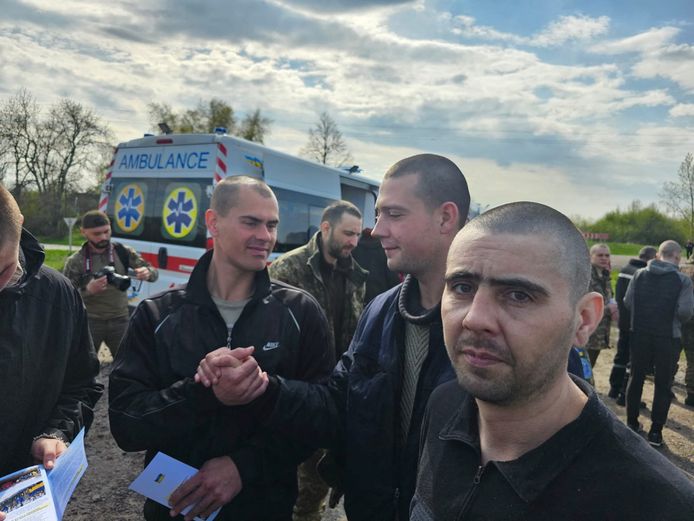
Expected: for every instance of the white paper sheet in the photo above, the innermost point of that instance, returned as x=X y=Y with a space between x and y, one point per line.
x=161 y=477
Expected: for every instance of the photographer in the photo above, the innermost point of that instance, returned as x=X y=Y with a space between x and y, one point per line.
x=100 y=271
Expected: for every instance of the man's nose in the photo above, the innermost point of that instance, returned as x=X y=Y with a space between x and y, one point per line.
x=481 y=315
x=379 y=229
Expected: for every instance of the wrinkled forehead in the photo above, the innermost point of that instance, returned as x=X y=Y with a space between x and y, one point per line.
x=475 y=249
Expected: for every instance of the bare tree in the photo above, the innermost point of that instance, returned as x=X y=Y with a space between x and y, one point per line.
x=678 y=195
x=325 y=143
x=19 y=125
x=52 y=154
x=254 y=127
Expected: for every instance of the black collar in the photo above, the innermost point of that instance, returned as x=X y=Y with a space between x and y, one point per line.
x=197 y=291
x=530 y=474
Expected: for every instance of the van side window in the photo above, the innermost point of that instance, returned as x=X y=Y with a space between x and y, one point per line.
x=299 y=218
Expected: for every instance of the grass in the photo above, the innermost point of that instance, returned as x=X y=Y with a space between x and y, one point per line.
x=56 y=258
x=77 y=239
x=620 y=248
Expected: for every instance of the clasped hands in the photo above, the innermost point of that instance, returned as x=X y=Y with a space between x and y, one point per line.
x=234 y=375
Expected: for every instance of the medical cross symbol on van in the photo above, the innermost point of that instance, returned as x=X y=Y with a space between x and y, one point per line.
x=175 y=175
x=129 y=211
x=179 y=217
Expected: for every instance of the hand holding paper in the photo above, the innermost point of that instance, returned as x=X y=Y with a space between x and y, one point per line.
x=46 y=450
x=215 y=484
x=164 y=476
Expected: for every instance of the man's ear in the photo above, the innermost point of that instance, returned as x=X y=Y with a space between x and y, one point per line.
x=211 y=222
x=21 y=219
x=589 y=310
x=324 y=229
x=449 y=214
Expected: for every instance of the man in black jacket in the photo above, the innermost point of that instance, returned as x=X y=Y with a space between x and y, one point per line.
x=516 y=437
x=49 y=366
x=618 y=376
x=371 y=409
x=660 y=299
x=230 y=301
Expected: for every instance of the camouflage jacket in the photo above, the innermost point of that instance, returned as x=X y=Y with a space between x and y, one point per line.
x=112 y=302
x=600 y=282
x=301 y=268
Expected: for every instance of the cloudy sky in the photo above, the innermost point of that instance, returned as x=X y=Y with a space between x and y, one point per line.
x=585 y=106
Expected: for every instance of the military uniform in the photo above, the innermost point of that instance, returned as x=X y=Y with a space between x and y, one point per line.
x=600 y=339
x=108 y=310
x=301 y=267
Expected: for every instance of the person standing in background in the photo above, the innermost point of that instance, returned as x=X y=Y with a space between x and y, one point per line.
x=600 y=282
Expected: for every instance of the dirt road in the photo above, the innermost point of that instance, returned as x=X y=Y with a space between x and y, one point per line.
x=103 y=492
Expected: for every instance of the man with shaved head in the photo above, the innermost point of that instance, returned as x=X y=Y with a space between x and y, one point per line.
x=660 y=299
x=371 y=409
x=517 y=437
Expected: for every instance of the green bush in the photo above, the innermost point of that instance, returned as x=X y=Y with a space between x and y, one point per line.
x=639 y=225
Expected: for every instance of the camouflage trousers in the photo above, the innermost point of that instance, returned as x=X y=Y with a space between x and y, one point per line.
x=310 y=503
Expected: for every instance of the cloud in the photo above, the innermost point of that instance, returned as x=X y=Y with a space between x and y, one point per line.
x=496 y=103
x=672 y=62
x=344 y=5
x=682 y=109
x=658 y=55
x=571 y=28
x=651 y=40
x=565 y=29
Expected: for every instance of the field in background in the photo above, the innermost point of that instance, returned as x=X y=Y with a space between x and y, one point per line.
x=56 y=258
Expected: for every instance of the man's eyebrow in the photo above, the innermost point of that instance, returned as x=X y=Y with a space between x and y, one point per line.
x=390 y=207
x=506 y=282
x=258 y=219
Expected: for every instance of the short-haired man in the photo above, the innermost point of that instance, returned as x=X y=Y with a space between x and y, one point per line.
x=370 y=411
x=49 y=367
x=326 y=269
x=106 y=300
x=660 y=299
x=516 y=437
x=600 y=282
x=156 y=405
x=618 y=376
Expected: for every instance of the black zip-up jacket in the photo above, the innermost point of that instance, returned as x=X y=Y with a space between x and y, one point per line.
x=48 y=365
x=593 y=468
x=623 y=280
x=357 y=414
x=156 y=405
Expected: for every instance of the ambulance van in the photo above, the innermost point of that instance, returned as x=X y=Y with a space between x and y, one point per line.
x=158 y=188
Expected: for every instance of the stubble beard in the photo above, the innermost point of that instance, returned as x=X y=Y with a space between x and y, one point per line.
x=100 y=245
x=509 y=383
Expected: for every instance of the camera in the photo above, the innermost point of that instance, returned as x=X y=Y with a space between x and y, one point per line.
x=115 y=279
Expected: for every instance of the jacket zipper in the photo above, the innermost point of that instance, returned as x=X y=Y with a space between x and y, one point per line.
x=229 y=330
x=471 y=493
